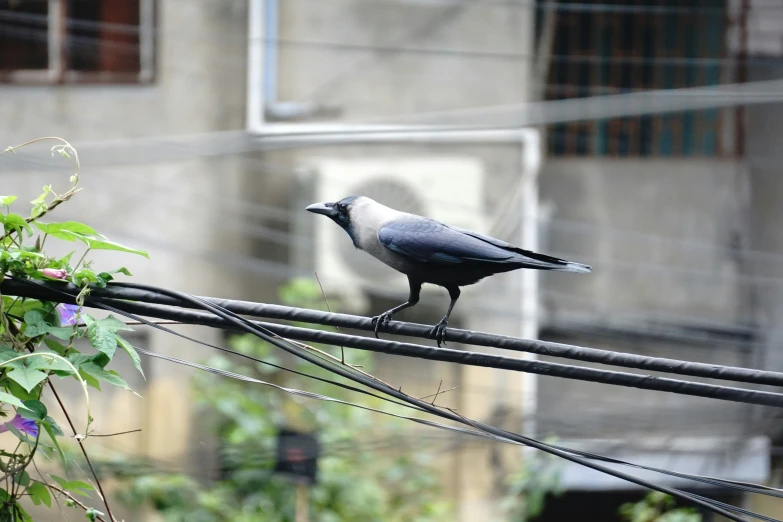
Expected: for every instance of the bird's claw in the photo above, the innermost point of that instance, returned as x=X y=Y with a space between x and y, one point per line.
x=439 y=333
x=380 y=321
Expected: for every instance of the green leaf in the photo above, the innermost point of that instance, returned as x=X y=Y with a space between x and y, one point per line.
x=67 y=230
x=40 y=494
x=22 y=307
x=73 y=486
x=61 y=332
x=51 y=423
x=21 y=514
x=7 y=200
x=85 y=275
x=27 y=378
x=113 y=324
x=56 y=347
x=66 y=260
x=22 y=478
x=19 y=392
x=15 y=222
x=132 y=353
x=49 y=431
x=33 y=409
x=39 y=203
x=6 y=354
x=101 y=337
x=105 y=244
x=36 y=324
x=43 y=362
x=10 y=399
x=109 y=376
x=122 y=270
x=90 y=380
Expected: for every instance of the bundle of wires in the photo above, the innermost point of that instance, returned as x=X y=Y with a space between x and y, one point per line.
x=381 y=390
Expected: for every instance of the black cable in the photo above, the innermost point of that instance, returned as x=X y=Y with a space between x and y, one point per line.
x=626 y=379
x=712 y=481
x=250 y=327
x=492 y=431
x=645 y=382
x=128 y=291
x=104 y=306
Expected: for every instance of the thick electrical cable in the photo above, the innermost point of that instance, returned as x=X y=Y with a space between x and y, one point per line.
x=490 y=431
x=130 y=292
x=453 y=356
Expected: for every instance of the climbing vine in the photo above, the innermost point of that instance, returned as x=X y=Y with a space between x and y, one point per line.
x=38 y=347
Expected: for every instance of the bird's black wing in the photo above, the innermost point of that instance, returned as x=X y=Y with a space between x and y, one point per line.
x=427 y=241
x=532 y=256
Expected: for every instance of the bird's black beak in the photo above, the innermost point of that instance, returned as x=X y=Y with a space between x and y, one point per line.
x=327 y=209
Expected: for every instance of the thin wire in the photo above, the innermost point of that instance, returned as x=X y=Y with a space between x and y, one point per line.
x=570 y=6
x=487 y=430
x=86 y=41
x=289 y=238
x=148 y=303
x=284 y=271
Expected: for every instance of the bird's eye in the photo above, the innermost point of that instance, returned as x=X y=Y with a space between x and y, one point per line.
x=341 y=207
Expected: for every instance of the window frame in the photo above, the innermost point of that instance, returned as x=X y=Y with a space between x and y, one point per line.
x=715 y=134
x=58 y=73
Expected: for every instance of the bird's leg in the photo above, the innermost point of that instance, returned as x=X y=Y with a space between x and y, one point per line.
x=439 y=331
x=413 y=298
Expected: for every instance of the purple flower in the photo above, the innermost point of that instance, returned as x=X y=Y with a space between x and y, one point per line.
x=55 y=273
x=27 y=426
x=67 y=313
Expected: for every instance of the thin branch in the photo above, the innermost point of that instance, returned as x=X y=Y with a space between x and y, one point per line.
x=114 y=434
x=439 y=393
x=329 y=308
x=44 y=481
x=69 y=496
x=87 y=251
x=84 y=451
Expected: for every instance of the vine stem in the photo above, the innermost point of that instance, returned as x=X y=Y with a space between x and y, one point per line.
x=82 y=259
x=64 y=150
x=84 y=451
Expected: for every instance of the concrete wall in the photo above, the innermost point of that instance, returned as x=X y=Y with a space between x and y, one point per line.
x=184 y=211
x=392 y=58
x=765 y=158
x=669 y=243
x=663 y=236
x=172 y=209
x=400 y=58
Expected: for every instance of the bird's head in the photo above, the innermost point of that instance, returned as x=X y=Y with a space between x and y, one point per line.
x=341 y=212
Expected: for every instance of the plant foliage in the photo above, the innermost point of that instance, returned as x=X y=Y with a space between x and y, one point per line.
x=372 y=468
x=38 y=343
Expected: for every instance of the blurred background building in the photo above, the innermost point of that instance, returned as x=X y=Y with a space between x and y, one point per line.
x=205 y=126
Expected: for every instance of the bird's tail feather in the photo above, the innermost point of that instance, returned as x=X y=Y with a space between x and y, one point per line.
x=545 y=262
x=578 y=268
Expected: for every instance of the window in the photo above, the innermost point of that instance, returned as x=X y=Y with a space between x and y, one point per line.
x=654 y=44
x=76 y=41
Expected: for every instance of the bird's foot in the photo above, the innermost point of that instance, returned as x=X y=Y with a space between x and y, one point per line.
x=380 y=321
x=439 y=332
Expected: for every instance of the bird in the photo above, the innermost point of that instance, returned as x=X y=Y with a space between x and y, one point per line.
x=428 y=251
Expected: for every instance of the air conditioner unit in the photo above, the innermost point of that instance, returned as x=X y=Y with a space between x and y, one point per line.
x=448 y=189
